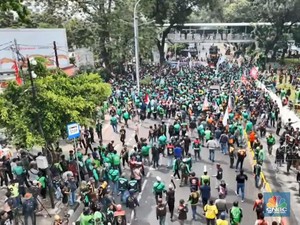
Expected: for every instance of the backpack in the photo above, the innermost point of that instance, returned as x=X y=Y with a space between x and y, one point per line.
x=260 y=206
x=130 y=202
x=161 y=210
x=183 y=167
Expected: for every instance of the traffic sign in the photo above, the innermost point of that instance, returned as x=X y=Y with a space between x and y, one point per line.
x=73 y=130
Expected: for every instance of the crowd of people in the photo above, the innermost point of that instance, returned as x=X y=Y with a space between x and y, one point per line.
x=207 y=109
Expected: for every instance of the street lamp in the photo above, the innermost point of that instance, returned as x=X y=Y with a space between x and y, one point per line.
x=32 y=75
x=136 y=45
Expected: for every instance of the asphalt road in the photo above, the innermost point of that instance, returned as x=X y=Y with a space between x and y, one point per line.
x=146 y=212
x=280 y=181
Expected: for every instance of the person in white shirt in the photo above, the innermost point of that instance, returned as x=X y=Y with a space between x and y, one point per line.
x=212 y=146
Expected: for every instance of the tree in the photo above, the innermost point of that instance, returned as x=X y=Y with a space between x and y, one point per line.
x=60 y=100
x=104 y=26
x=239 y=11
x=283 y=15
x=14 y=5
x=172 y=12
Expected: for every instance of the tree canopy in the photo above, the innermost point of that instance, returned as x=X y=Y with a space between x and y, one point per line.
x=60 y=100
x=14 y=5
x=172 y=12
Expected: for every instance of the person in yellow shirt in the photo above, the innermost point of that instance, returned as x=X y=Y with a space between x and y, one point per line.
x=222 y=220
x=211 y=212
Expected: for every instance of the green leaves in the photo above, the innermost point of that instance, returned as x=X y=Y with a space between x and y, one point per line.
x=60 y=100
x=14 y=5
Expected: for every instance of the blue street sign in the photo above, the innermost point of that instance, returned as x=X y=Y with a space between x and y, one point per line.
x=73 y=130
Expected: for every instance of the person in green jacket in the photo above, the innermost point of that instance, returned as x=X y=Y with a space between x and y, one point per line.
x=236 y=214
x=126 y=117
x=270 y=142
x=207 y=134
x=113 y=176
x=201 y=133
x=95 y=174
x=86 y=218
x=245 y=115
x=119 y=114
x=116 y=161
x=42 y=184
x=98 y=218
x=162 y=141
x=249 y=127
x=185 y=171
x=114 y=123
x=146 y=153
x=158 y=188
x=177 y=129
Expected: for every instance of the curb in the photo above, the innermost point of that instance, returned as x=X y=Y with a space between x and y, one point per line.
x=266 y=185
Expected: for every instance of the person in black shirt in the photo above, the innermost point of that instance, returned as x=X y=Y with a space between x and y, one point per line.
x=240 y=180
x=122 y=135
x=170 y=198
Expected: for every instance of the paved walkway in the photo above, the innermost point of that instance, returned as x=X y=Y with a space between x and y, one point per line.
x=281 y=181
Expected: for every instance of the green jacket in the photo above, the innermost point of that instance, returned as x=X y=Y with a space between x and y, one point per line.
x=113 y=175
x=236 y=215
x=145 y=151
x=86 y=219
x=158 y=187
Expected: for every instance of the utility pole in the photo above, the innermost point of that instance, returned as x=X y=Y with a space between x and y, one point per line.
x=136 y=45
x=19 y=57
x=56 y=55
x=38 y=119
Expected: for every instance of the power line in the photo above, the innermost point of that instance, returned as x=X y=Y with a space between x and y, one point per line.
x=7 y=47
x=6 y=43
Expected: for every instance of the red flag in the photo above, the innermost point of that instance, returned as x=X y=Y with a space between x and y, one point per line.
x=16 y=68
x=254 y=73
x=147 y=99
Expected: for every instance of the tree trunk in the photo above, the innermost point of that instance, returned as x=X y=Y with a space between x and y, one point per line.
x=283 y=53
x=160 y=47
x=161 y=44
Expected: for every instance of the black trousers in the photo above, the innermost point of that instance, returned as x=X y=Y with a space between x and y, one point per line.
x=176 y=173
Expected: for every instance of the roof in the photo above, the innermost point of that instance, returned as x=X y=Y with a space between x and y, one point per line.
x=222 y=24
x=70 y=70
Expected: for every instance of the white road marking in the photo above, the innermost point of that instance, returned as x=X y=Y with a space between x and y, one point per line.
x=140 y=196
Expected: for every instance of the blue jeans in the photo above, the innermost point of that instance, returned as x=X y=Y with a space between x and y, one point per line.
x=194 y=209
x=242 y=187
x=115 y=128
x=72 y=198
x=162 y=220
x=211 y=155
x=151 y=140
x=224 y=148
x=114 y=187
x=122 y=196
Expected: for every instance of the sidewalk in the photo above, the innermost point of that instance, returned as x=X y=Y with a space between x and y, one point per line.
x=281 y=181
